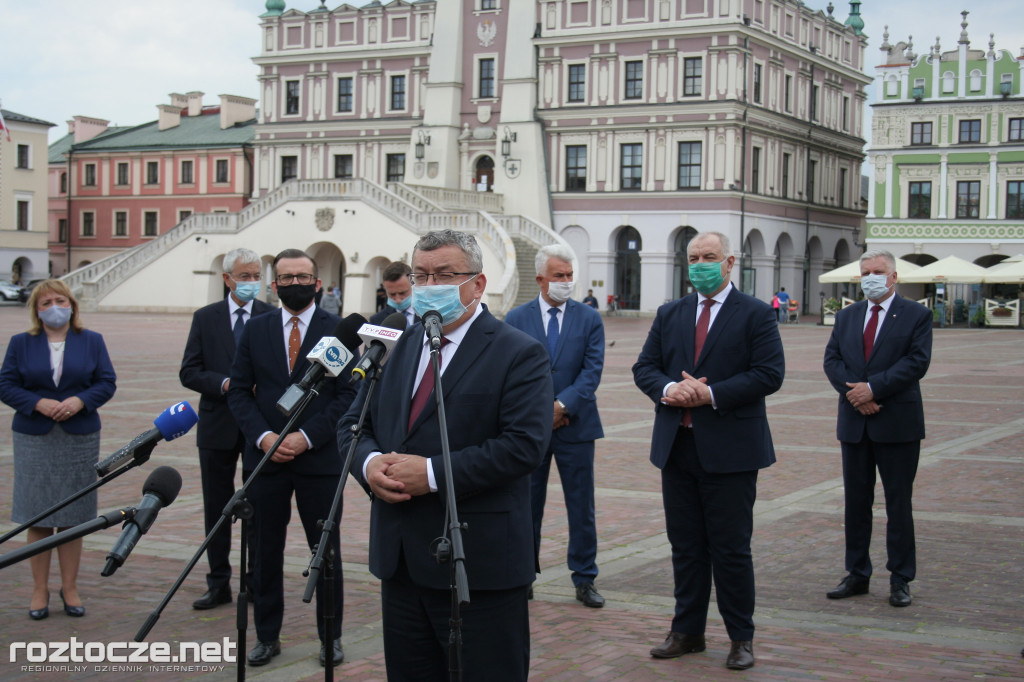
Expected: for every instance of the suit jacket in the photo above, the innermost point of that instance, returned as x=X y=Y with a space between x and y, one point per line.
x=743 y=362
x=378 y=317
x=576 y=367
x=899 y=359
x=259 y=377
x=498 y=432
x=26 y=377
x=209 y=352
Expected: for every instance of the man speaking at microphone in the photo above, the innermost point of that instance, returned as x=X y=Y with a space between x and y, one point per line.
x=498 y=428
x=270 y=358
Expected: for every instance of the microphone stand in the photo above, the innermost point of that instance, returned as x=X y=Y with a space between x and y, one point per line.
x=324 y=548
x=240 y=507
x=141 y=456
x=441 y=549
x=81 y=530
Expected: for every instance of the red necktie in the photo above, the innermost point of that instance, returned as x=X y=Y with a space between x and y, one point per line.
x=703 y=322
x=423 y=391
x=294 y=343
x=869 y=331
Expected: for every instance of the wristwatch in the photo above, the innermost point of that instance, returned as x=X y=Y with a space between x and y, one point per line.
x=562 y=405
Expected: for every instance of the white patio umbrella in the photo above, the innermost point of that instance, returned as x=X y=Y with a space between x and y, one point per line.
x=1006 y=272
x=950 y=269
x=851 y=272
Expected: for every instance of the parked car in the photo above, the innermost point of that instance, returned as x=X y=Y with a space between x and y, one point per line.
x=26 y=290
x=8 y=291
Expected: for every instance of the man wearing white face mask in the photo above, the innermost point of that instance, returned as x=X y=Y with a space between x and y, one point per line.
x=878 y=353
x=574 y=335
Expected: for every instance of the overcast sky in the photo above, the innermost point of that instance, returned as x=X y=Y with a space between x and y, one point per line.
x=118 y=59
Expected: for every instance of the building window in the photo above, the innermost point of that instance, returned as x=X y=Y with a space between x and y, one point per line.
x=488 y=4
x=63 y=183
x=184 y=214
x=289 y=168
x=757 y=83
x=344 y=94
x=90 y=175
x=842 y=187
x=88 y=224
x=1015 y=199
x=22 y=217
x=122 y=173
x=785 y=176
x=221 y=171
x=343 y=166
x=62 y=230
x=921 y=133
x=396 y=167
x=291 y=97
x=186 y=172
x=23 y=156
x=152 y=172
x=755 y=170
x=576 y=168
x=693 y=72
x=632 y=166
x=634 y=80
x=689 y=165
x=577 y=82
x=812 y=175
x=814 y=102
x=486 y=78
x=789 y=95
x=970 y=131
x=120 y=223
x=846 y=113
x=1016 y=129
x=149 y=228
x=920 y=205
x=968 y=199
x=397 y=93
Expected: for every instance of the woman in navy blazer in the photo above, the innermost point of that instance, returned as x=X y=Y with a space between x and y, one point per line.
x=57 y=374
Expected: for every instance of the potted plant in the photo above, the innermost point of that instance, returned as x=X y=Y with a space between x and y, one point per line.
x=978 y=319
x=829 y=308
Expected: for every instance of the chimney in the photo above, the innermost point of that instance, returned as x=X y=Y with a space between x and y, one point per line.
x=179 y=100
x=195 y=103
x=85 y=128
x=170 y=116
x=235 y=109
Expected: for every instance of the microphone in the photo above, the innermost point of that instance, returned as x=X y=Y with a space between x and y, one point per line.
x=329 y=356
x=379 y=342
x=432 y=323
x=173 y=422
x=159 y=490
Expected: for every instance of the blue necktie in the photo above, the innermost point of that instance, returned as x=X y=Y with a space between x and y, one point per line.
x=239 y=325
x=552 y=331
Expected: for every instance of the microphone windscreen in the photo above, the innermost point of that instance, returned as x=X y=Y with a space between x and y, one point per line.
x=176 y=420
x=347 y=331
x=164 y=482
x=395 y=321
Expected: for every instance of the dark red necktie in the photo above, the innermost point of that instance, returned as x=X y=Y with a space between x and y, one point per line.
x=870 y=330
x=703 y=322
x=423 y=391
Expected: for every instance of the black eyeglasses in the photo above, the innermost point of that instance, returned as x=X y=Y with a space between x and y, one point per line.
x=421 y=278
x=287 y=280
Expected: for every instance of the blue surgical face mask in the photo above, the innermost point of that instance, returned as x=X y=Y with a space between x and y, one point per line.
x=444 y=298
x=706 y=277
x=875 y=287
x=55 y=316
x=400 y=306
x=247 y=291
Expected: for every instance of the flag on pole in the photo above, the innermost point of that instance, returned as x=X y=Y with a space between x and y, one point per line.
x=3 y=126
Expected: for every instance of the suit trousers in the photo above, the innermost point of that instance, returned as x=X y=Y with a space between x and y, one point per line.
x=217 y=469
x=710 y=519
x=897 y=465
x=575 y=462
x=271 y=497
x=495 y=631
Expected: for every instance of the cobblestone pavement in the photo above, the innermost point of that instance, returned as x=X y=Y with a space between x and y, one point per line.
x=966 y=622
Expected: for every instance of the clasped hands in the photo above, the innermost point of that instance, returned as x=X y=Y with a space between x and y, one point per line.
x=690 y=392
x=862 y=399
x=60 y=410
x=395 y=477
x=294 y=444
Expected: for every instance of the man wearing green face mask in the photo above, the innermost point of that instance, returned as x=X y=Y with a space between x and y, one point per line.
x=708 y=363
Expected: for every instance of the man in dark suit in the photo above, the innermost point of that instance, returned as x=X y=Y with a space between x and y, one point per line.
x=271 y=357
x=879 y=351
x=574 y=335
x=709 y=361
x=399 y=293
x=205 y=368
x=498 y=432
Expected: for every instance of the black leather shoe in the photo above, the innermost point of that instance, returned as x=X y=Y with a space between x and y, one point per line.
x=39 y=614
x=339 y=653
x=677 y=644
x=74 y=611
x=851 y=586
x=589 y=595
x=899 y=594
x=263 y=652
x=213 y=598
x=741 y=656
